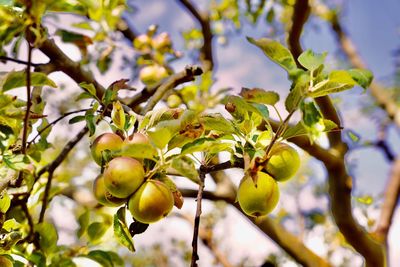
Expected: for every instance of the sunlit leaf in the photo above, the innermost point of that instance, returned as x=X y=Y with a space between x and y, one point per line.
x=17 y=79
x=311 y=60
x=185 y=167
x=260 y=96
x=48 y=237
x=337 y=81
x=276 y=52
x=142 y=151
x=361 y=76
x=121 y=231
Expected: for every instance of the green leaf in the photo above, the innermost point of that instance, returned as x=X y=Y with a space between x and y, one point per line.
x=5 y=202
x=101 y=257
x=96 y=231
x=311 y=60
x=297 y=93
x=163 y=132
x=276 y=52
x=311 y=114
x=362 y=77
x=88 y=87
x=77 y=119
x=296 y=130
x=11 y=225
x=217 y=122
x=260 y=96
x=121 y=231
x=17 y=79
x=353 y=136
x=91 y=123
x=338 y=80
x=206 y=145
x=48 y=237
x=118 y=115
x=185 y=167
x=242 y=107
x=83 y=221
x=142 y=151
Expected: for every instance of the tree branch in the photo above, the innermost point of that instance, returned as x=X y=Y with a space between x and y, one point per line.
x=64 y=153
x=51 y=167
x=392 y=194
x=28 y=99
x=157 y=92
x=73 y=69
x=206 y=53
x=205 y=235
x=340 y=183
x=15 y=60
x=195 y=256
x=383 y=98
x=287 y=241
x=126 y=30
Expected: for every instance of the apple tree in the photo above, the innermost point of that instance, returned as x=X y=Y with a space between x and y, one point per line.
x=163 y=120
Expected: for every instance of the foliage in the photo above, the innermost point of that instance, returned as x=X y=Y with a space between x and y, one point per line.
x=186 y=128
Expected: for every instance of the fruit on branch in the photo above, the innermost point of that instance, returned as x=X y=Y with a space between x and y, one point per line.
x=258 y=199
x=283 y=163
x=173 y=101
x=142 y=43
x=103 y=196
x=123 y=176
x=106 y=141
x=162 y=42
x=137 y=138
x=152 y=74
x=5 y=262
x=151 y=202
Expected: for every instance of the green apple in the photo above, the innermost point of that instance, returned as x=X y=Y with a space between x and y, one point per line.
x=152 y=74
x=106 y=141
x=152 y=202
x=258 y=199
x=5 y=261
x=283 y=163
x=103 y=196
x=123 y=176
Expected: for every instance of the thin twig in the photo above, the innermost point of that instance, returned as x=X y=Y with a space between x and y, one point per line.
x=205 y=235
x=46 y=196
x=392 y=194
x=29 y=218
x=5 y=58
x=195 y=255
x=54 y=122
x=63 y=154
x=171 y=82
x=28 y=99
x=50 y=168
x=206 y=52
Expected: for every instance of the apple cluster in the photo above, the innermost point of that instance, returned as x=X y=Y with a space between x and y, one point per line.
x=260 y=198
x=123 y=180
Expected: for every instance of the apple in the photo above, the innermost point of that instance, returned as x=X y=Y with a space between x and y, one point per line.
x=173 y=101
x=152 y=74
x=137 y=138
x=283 y=163
x=152 y=202
x=123 y=176
x=106 y=141
x=142 y=42
x=103 y=196
x=5 y=261
x=162 y=42
x=258 y=199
